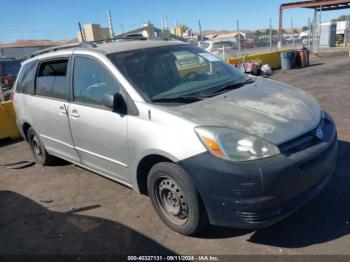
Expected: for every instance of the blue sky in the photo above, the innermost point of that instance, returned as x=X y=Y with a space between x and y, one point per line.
x=37 y=19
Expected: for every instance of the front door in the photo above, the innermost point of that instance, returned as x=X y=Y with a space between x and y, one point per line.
x=99 y=135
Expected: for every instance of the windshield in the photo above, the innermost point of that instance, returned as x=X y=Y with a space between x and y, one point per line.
x=174 y=71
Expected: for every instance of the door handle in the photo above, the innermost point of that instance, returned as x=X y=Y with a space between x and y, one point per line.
x=75 y=113
x=62 y=111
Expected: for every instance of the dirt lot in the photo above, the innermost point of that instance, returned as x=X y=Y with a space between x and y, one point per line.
x=64 y=209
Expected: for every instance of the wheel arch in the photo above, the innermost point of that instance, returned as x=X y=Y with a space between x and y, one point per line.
x=145 y=165
x=25 y=128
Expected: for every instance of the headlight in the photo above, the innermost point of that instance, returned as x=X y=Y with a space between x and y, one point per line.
x=233 y=145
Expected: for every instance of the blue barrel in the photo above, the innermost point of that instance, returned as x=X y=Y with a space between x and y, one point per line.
x=287 y=60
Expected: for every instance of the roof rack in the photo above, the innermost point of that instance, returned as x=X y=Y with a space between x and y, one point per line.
x=56 y=48
x=87 y=44
x=131 y=37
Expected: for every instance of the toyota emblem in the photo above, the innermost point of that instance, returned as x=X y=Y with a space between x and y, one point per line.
x=319 y=133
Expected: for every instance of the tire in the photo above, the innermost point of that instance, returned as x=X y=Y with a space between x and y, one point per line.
x=41 y=156
x=175 y=199
x=305 y=41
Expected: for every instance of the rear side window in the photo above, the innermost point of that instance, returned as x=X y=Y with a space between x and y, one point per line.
x=91 y=81
x=52 y=79
x=26 y=78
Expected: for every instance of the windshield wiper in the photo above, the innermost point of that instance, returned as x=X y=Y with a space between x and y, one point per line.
x=179 y=99
x=231 y=86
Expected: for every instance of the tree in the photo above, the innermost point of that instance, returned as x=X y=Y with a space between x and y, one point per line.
x=343 y=17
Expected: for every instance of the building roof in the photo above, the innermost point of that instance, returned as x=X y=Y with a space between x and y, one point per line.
x=36 y=43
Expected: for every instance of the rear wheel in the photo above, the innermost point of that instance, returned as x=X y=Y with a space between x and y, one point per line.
x=41 y=156
x=305 y=41
x=175 y=199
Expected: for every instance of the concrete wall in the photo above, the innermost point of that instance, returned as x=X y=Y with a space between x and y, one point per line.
x=271 y=58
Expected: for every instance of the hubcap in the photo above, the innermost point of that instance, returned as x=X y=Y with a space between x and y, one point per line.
x=172 y=201
x=36 y=146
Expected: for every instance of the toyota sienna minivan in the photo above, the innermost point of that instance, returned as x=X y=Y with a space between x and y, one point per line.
x=205 y=142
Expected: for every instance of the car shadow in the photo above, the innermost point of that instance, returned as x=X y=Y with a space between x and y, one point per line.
x=8 y=141
x=325 y=218
x=29 y=228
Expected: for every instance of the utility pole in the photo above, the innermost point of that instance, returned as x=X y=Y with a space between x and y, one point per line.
x=280 y=28
x=292 y=26
x=320 y=29
x=111 y=33
x=314 y=32
x=270 y=34
x=347 y=31
x=309 y=35
x=200 y=33
x=239 y=39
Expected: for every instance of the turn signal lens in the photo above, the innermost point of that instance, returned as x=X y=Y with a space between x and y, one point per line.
x=211 y=143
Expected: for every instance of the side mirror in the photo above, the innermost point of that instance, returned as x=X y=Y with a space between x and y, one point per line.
x=114 y=101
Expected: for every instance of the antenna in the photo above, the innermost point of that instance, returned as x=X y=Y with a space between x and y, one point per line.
x=111 y=33
x=81 y=33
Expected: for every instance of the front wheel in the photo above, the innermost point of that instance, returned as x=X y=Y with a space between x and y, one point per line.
x=175 y=198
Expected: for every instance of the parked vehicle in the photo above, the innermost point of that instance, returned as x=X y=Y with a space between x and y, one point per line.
x=304 y=37
x=221 y=48
x=205 y=142
x=342 y=29
x=247 y=43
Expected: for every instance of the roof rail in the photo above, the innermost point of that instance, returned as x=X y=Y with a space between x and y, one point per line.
x=61 y=47
x=119 y=38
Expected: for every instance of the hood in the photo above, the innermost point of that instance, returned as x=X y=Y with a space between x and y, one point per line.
x=267 y=109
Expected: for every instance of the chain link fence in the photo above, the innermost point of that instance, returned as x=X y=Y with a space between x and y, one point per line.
x=9 y=69
x=244 y=42
x=314 y=35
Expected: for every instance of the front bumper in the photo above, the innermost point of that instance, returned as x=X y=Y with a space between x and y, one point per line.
x=256 y=194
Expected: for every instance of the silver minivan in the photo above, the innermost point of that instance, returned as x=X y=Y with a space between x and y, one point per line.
x=206 y=143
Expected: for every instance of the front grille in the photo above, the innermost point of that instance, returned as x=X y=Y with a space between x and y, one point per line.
x=307 y=140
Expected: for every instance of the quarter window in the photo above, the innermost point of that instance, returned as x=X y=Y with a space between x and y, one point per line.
x=26 y=78
x=52 y=79
x=91 y=81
